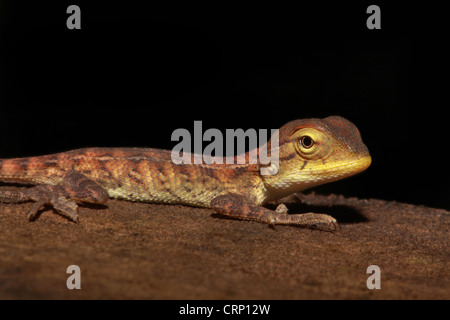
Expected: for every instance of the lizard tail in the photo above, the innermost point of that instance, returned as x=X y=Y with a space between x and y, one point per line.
x=22 y=169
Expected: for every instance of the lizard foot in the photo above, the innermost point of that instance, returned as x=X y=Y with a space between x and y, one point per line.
x=239 y=207
x=74 y=187
x=67 y=208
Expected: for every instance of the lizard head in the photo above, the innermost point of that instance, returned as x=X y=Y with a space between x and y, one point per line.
x=317 y=151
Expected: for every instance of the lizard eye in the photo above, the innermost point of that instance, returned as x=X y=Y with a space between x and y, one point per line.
x=306 y=142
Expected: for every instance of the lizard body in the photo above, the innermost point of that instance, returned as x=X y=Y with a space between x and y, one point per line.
x=311 y=152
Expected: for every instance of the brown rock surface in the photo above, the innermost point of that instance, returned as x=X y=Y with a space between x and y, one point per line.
x=150 y=251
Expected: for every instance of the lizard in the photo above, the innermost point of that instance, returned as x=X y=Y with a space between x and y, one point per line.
x=311 y=152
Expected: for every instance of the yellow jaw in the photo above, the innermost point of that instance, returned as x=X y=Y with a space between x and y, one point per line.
x=320 y=173
x=314 y=152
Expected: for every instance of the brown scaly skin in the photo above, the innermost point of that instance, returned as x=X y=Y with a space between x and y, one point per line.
x=311 y=152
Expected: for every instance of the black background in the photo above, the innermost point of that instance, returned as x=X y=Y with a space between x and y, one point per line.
x=133 y=74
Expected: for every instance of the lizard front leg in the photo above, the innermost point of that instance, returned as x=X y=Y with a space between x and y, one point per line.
x=75 y=187
x=239 y=207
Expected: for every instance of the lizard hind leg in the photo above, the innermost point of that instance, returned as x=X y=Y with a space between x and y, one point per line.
x=239 y=207
x=75 y=187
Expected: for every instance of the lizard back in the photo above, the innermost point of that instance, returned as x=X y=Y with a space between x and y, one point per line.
x=138 y=174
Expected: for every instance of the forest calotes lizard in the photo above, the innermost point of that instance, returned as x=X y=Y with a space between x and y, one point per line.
x=311 y=152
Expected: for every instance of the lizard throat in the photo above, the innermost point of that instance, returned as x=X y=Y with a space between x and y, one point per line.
x=297 y=179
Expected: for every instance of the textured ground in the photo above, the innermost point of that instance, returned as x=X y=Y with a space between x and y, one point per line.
x=134 y=250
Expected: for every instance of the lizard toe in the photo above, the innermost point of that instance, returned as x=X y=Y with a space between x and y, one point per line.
x=68 y=208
